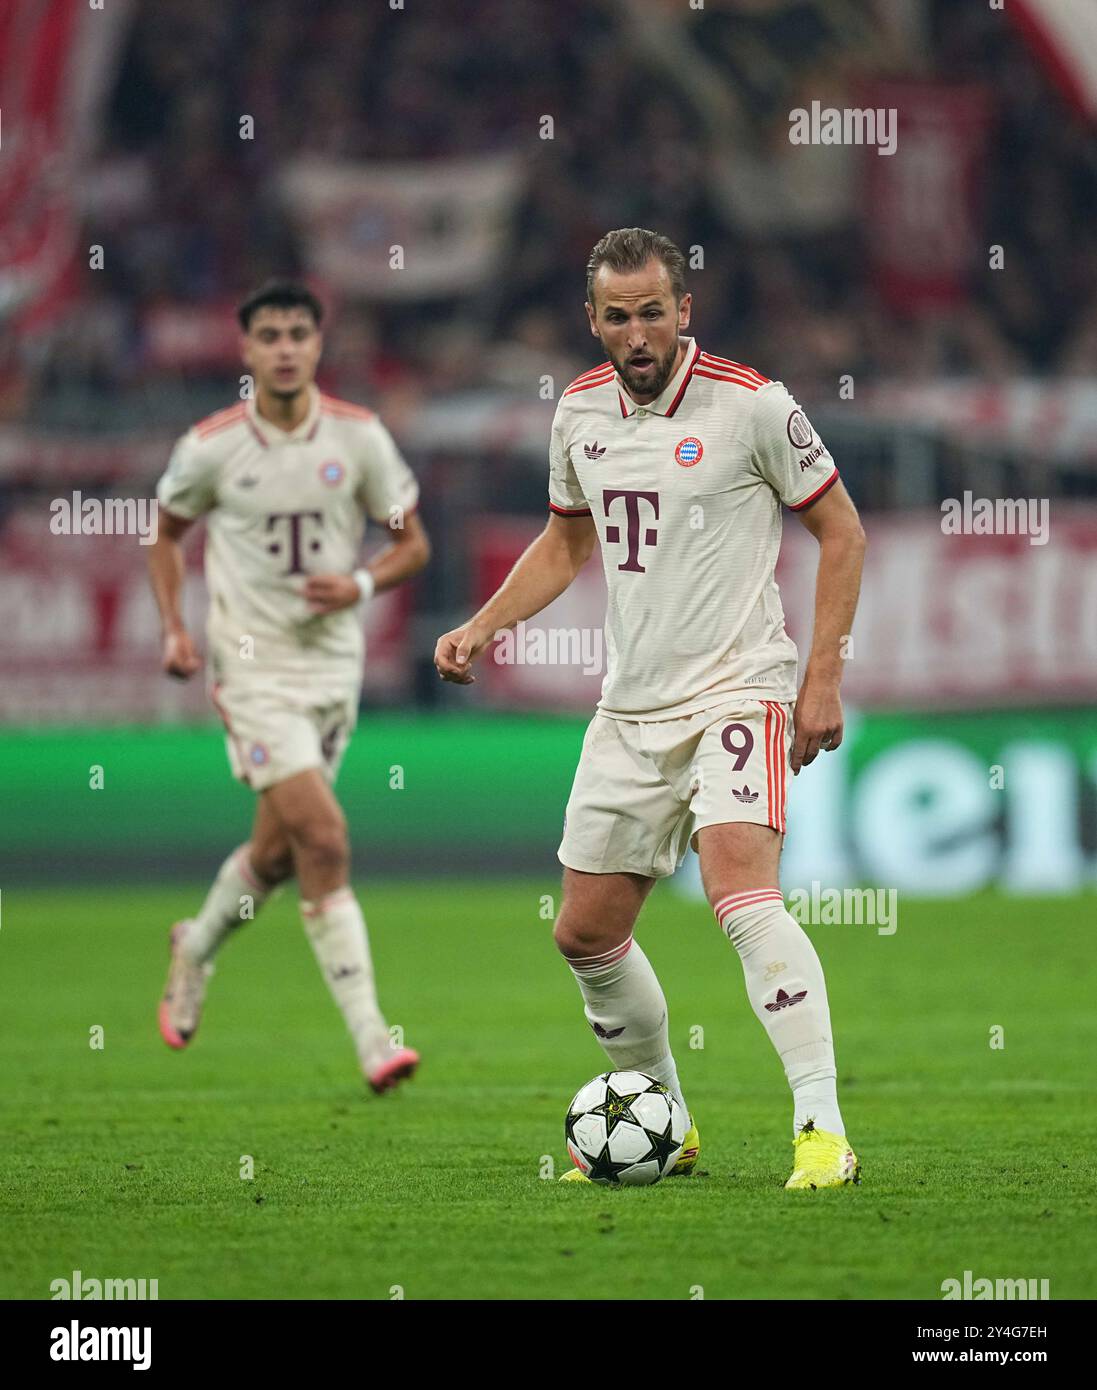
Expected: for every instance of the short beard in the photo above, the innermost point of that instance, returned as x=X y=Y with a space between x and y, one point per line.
x=287 y=394
x=663 y=373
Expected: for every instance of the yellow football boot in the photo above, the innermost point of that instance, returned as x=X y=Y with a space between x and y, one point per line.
x=687 y=1159
x=573 y=1175
x=822 y=1160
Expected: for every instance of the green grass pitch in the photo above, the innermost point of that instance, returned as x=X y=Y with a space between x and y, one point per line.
x=125 y=1161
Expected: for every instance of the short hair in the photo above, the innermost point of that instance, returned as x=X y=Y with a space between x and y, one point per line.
x=630 y=248
x=279 y=294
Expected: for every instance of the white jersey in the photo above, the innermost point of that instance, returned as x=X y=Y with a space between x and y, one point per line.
x=686 y=496
x=282 y=506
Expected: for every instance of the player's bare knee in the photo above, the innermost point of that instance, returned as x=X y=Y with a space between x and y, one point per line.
x=578 y=935
x=322 y=845
x=273 y=866
x=599 y=911
x=326 y=853
x=578 y=942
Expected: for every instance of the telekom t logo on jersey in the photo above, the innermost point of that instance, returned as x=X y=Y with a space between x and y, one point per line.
x=295 y=527
x=632 y=528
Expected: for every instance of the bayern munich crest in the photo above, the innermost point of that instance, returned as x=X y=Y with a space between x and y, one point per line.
x=689 y=452
x=259 y=754
x=332 y=472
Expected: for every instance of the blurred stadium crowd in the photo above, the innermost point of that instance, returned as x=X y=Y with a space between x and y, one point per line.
x=191 y=214
x=935 y=309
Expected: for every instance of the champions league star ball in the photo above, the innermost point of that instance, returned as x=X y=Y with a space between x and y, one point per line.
x=625 y=1129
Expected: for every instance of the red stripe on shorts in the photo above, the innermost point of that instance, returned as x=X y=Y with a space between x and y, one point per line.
x=776 y=773
x=782 y=763
x=768 y=739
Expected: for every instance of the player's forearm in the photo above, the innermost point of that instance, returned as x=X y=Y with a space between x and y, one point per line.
x=398 y=562
x=542 y=573
x=837 y=585
x=167 y=569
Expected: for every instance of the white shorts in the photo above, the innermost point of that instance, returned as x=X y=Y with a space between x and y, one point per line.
x=275 y=731
x=642 y=789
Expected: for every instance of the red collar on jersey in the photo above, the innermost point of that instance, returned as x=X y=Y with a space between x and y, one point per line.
x=267 y=433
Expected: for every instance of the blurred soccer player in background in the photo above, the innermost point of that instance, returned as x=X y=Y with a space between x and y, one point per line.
x=677 y=463
x=286 y=481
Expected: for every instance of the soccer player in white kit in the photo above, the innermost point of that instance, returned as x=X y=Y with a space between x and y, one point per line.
x=286 y=481
x=677 y=462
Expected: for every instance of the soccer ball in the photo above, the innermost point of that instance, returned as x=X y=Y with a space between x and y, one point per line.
x=625 y=1129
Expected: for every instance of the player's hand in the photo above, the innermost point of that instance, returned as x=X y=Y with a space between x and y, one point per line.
x=456 y=652
x=327 y=593
x=816 y=721
x=181 y=657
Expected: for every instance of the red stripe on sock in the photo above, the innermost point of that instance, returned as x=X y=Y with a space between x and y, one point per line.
x=244 y=865
x=585 y=964
x=314 y=909
x=745 y=902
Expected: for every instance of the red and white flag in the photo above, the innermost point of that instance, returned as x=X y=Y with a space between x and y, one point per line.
x=56 y=60
x=923 y=204
x=1063 y=35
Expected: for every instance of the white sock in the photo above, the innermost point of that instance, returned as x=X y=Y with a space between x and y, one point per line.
x=337 y=930
x=626 y=1008
x=779 y=963
x=235 y=896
